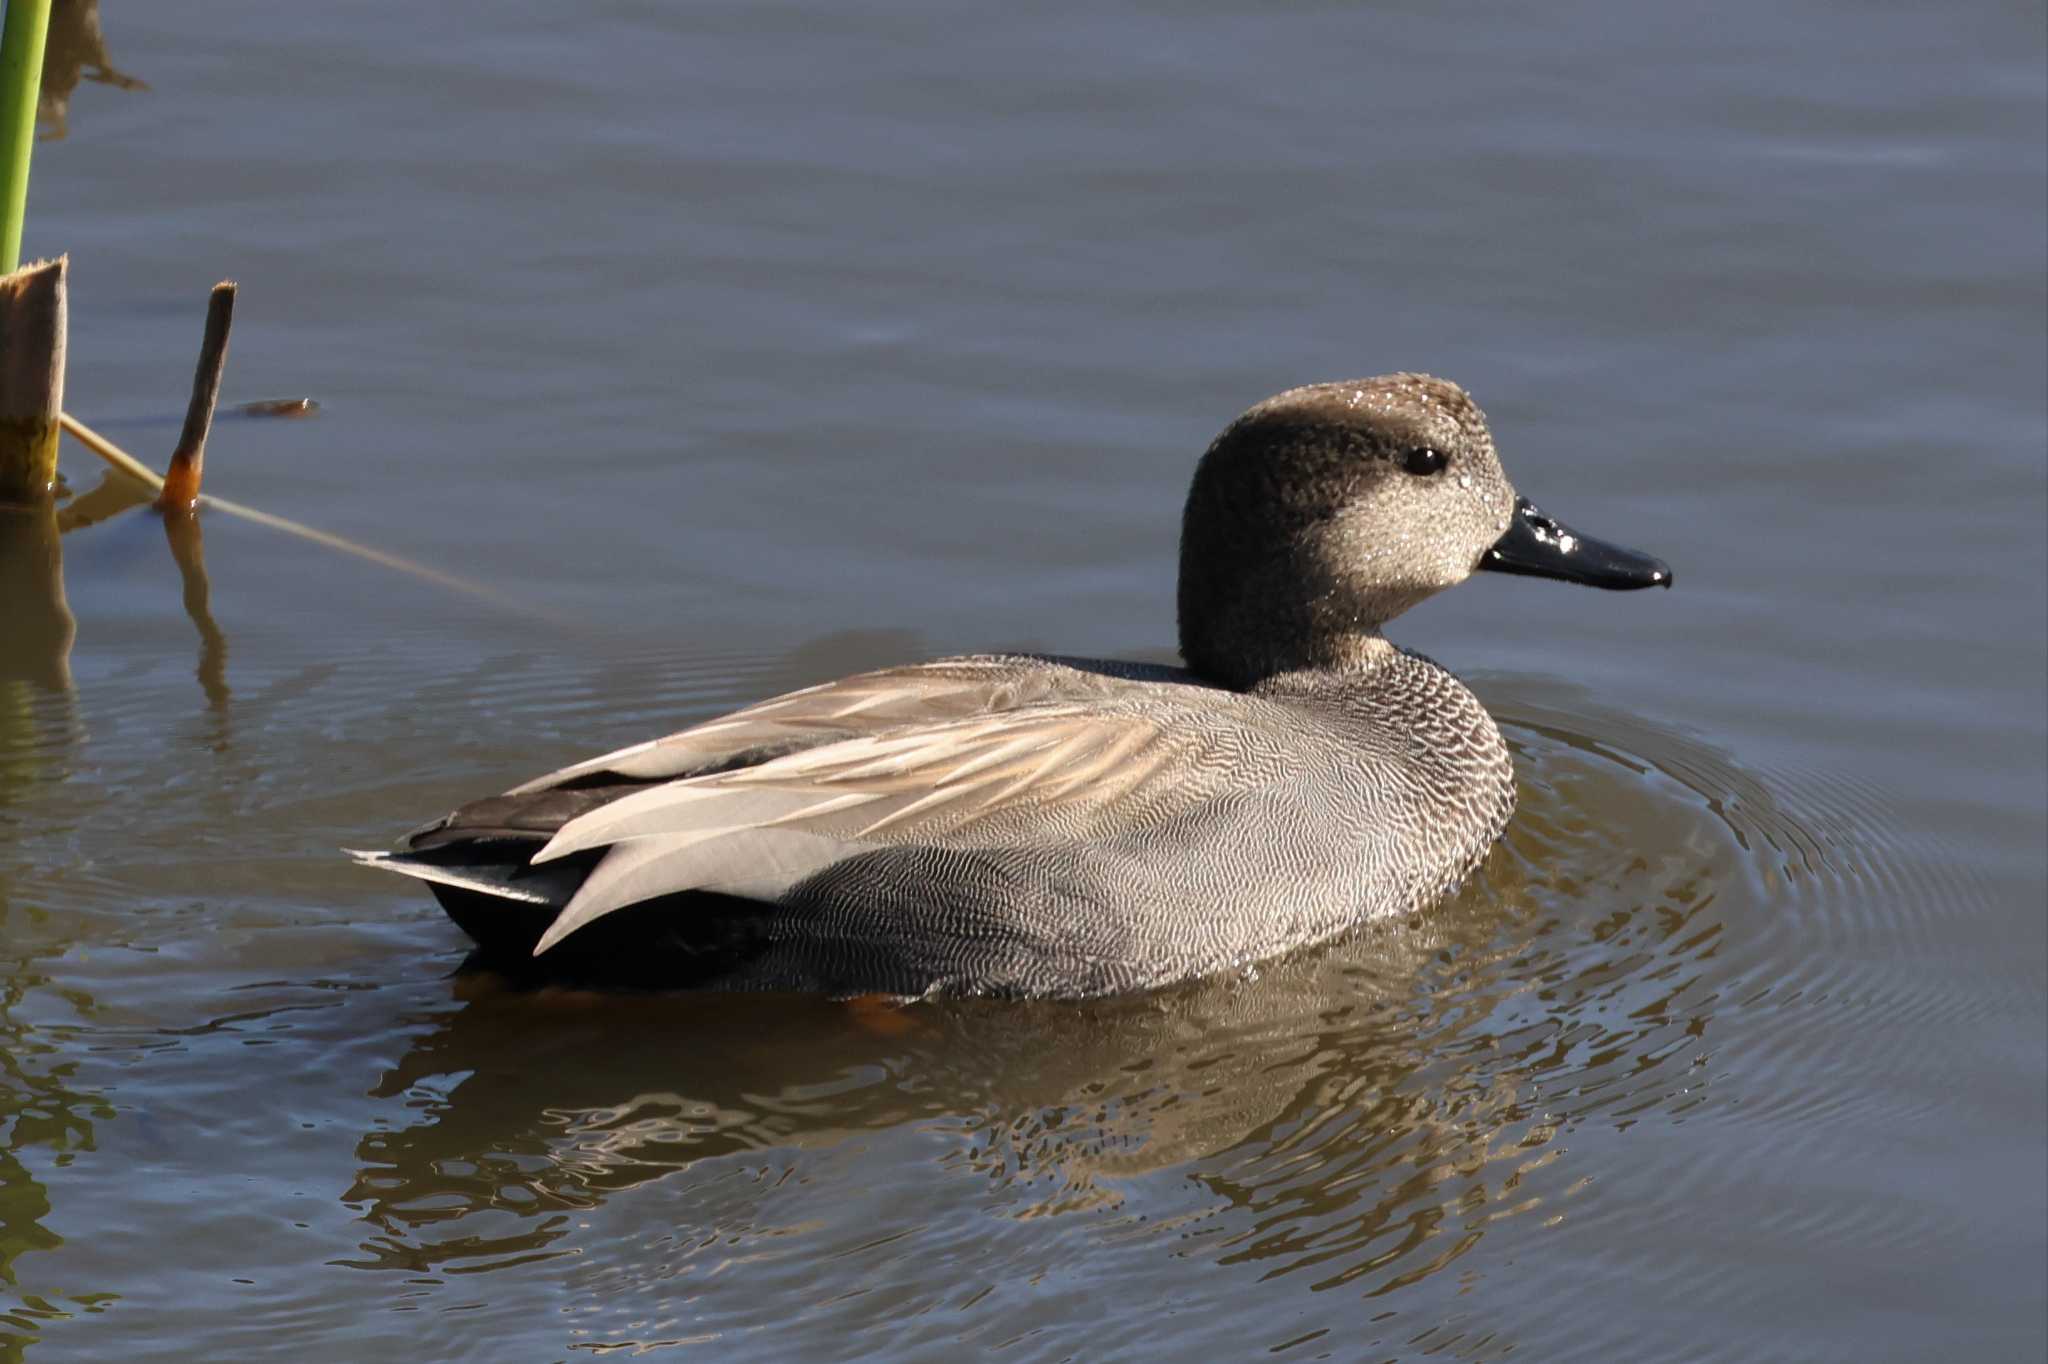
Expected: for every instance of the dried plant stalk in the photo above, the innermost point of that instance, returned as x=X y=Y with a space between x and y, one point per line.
x=32 y=325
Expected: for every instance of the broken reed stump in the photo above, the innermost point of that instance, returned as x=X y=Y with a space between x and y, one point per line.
x=37 y=641
x=32 y=339
x=188 y=461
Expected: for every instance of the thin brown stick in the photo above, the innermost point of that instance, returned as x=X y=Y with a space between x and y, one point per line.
x=135 y=468
x=188 y=461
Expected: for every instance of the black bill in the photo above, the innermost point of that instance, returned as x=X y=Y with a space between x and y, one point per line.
x=1542 y=548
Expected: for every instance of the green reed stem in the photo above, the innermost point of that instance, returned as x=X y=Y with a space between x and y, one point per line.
x=21 y=78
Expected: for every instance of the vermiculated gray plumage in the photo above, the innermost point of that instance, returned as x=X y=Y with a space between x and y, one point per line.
x=1024 y=825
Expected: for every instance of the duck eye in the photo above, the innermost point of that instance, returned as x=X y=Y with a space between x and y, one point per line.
x=1426 y=460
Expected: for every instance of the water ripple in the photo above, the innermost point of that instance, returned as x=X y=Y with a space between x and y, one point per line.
x=1666 y=942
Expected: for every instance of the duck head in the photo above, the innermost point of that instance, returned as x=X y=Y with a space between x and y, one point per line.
x=1326 y=511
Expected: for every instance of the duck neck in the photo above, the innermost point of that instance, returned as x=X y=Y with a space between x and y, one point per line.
x=1251 y=640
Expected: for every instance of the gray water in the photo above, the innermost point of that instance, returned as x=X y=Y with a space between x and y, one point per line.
x=732 y=347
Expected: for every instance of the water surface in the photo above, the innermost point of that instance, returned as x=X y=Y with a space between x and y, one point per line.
x=733 y=348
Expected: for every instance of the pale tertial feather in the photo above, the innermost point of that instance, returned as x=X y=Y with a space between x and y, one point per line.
x=701 y=810
x=755 y=864
x=917 y=770
x=867 y=703
x=893 y=789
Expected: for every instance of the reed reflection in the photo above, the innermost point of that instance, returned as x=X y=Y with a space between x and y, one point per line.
x=74 y=50
x=39 y=722
x=36 y=645
x=188 y=550
x=41 y=573
x=44 y=1117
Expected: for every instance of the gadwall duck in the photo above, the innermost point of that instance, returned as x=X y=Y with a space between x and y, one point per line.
x=1035 y=826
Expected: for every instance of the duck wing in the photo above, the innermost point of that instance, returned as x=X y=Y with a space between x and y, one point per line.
x=485 y=845
x=866 y=703
x=1049 y=772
